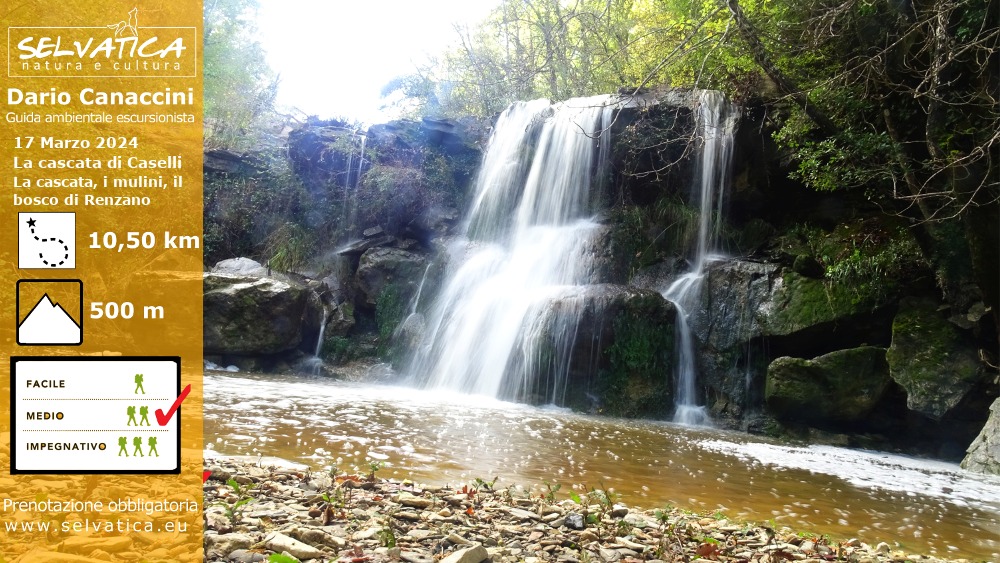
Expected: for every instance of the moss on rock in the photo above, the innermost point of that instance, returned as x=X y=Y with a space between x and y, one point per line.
x=839 y=387
x=930 y=359
x=638 y=380
x=798 y=302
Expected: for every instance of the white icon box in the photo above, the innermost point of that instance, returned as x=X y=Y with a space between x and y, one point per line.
x=49 y=312
x=46 y=241
x=71 y=414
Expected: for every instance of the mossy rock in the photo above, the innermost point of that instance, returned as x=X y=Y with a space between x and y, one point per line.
x=807 y=266
x=620 y=356
x=930 y=359
x=798 y=302
x=258 y=316
x=839 y=387
x=639 y=380
x=381 y=268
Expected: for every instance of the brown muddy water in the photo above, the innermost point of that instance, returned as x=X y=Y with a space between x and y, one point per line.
x=921 y=506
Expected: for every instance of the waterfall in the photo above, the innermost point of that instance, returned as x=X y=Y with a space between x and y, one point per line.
x=716 y=122
x=322 y=331
x=313 y=365
x=351 y=188
x=349 y=195
x=494 y=329
x=420 y=289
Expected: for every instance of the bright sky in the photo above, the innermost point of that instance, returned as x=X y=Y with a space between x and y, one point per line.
x=334 y=56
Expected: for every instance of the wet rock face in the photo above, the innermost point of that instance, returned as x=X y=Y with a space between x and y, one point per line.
x=410 y=180
x=752 y=312
x=621 y=349
x=841 y=387
x=253 y=316
x=380 y=268
x=930 y=359
x=984 y=453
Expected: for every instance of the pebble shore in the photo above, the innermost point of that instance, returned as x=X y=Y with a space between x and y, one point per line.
x=253 y=512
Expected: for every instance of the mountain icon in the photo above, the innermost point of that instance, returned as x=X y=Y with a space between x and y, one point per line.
x=48 y=323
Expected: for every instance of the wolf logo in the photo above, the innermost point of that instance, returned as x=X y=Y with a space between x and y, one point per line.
x=129 y=28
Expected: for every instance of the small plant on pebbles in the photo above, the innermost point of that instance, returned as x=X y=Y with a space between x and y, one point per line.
x=234 y=511
x=550 y=492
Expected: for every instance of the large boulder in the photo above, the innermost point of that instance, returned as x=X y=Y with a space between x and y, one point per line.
x=614 y=346
x=254 y=316
x=930 y=359
x=240 y=267
x=382 y=268
x=736 y=298
x=748 y=313
x=797 y=303
x=839 y=387
x=984 y=453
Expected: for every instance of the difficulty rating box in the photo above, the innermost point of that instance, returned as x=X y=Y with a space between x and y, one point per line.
x=95 y=414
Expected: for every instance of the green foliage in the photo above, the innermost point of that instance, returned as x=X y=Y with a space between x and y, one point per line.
x=338 y=350
x=663 y=516
x=640 y=365
x=605 y=500
x=391 y=194
x=374 y=466
x=528 y=49
x=875 y=271
x=387 y=537
x=336 y=500
x=603 y=497
x=282 y=558
x=239 y=86
x=234 y=511
x=390 y=310
x=550 y=491
x=413 y=95
x=481 y=484
x=647 y=235
x=852 y=159
x=257 y=213
x=289 y=247
x=623 y=528
x=629 y=238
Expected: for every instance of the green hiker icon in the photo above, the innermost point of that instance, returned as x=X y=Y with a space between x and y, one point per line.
x=138 y=384
x=122 y=443
x=144 y=414
x=131 y=416
x=152 y=446
x=137 y=442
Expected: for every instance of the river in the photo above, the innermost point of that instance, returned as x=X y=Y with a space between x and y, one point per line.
x=923 y=506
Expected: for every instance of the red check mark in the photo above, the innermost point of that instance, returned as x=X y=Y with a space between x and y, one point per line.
x=163 y=419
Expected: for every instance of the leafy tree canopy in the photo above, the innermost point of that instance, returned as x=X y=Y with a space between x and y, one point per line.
x=239 y=85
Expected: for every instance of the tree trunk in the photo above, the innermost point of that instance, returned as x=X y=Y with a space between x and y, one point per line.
x=785 y=85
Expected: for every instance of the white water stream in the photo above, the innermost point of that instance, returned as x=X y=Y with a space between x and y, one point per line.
x=716 y=121
x=526 y=243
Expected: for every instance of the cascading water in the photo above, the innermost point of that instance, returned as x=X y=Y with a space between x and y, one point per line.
x=313 y=365
x=716 y=122
x=351 y=188
x=526 y=245
x=322 y=331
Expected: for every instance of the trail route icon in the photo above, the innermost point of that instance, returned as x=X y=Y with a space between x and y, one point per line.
x=46 y=241
x=49 y=312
